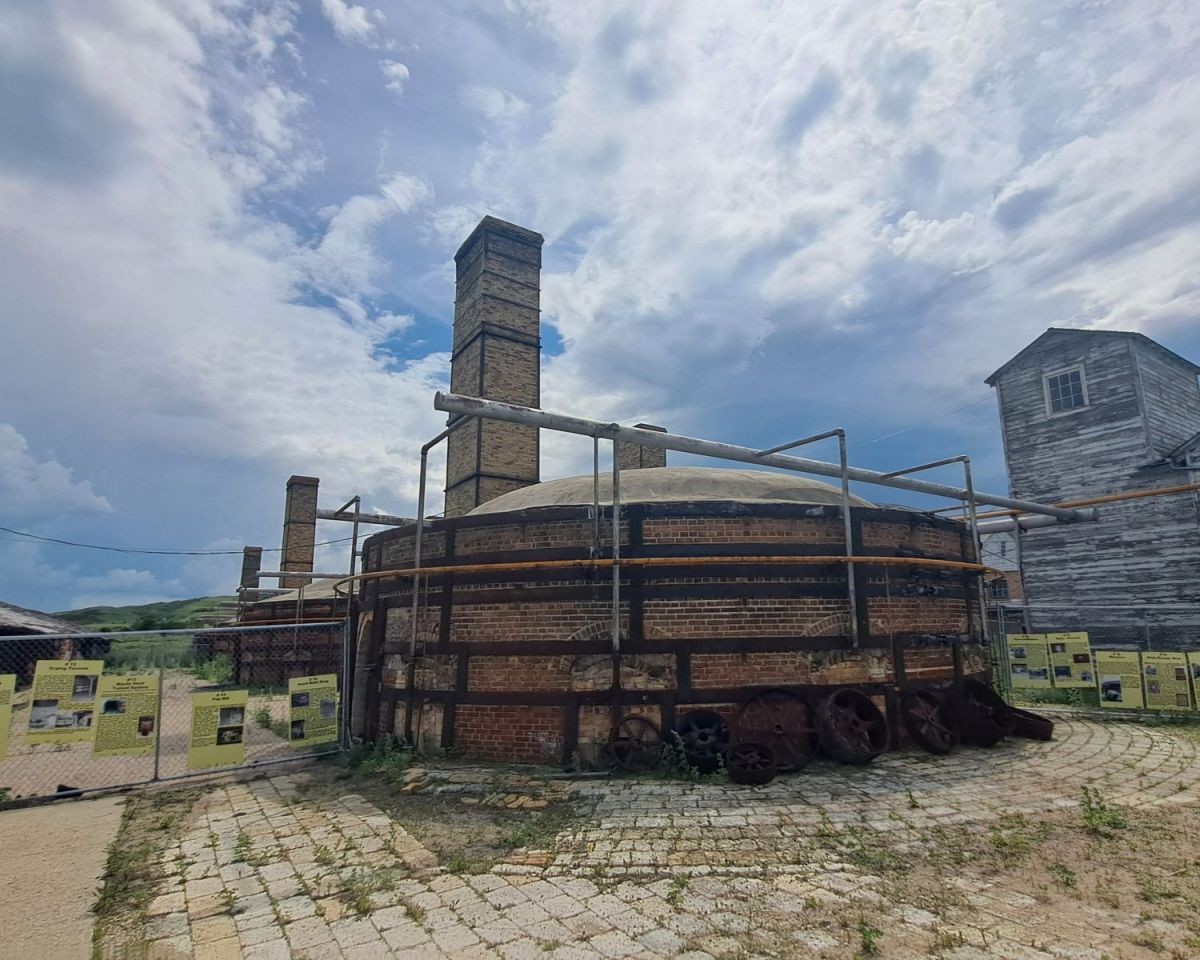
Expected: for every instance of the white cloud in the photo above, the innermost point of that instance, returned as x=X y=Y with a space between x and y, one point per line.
x=349 y=21
x=123 y=586
x=33 y=489
x=492 y=103
x=396 y=75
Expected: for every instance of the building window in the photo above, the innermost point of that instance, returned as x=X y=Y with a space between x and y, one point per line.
x=1065 y=391
x=999 y=588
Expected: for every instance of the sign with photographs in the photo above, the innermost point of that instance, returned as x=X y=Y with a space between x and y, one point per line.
x=1028 y=660
x=218 y=729
x=126 y=715
x=1119 y=679
x=1193 y=660
x=8 y=685
x=314 y=710
x=1070 y=660
x=63 y=700
x=1166 y=681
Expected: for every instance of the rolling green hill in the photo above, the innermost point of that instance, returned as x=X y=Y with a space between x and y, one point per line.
x=170 y=614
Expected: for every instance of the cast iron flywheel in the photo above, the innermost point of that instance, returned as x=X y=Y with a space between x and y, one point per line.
x=704 y=736
x=752 y=764
x=850 y=727
x=783 y=721
x=929 y=718
x=635 y=744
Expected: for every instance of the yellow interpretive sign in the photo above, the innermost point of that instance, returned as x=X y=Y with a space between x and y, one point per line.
x=8 y=686
x=1119 y=678
x=1070 y=660
x=63 y=700
x=314 y=710
x=126 y=716
x=218 y=728
x=1028 y=660
x=1166 y=680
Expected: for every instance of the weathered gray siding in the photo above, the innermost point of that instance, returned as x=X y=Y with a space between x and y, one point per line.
x=1171 y=396
x=1134 y=576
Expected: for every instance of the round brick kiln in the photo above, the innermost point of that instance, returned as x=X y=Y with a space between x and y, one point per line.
x=728 y=628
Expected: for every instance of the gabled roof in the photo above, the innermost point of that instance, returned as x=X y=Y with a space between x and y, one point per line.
x=18 y=620
x=1075 y=332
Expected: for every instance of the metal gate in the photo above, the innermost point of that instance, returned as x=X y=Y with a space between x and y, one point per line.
x=86 y=712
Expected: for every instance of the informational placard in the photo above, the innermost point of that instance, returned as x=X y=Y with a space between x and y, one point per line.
x=313 y=710
x=63 y=701
x=8 y=686
x=1028 y=660
x=126 y=716
x=1119 y=678
x=1193 y=659
x=218 y=729
x=1166 y=681
x=1070 y=660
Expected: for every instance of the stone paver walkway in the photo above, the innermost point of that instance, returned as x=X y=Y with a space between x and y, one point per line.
x=663 y=869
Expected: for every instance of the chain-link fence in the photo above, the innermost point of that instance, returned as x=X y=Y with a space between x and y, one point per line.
x=94 y=711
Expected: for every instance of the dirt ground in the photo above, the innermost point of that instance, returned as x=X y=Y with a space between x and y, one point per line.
x=52 y=860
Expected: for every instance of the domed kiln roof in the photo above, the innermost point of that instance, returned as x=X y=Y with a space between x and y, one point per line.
x=672 y=485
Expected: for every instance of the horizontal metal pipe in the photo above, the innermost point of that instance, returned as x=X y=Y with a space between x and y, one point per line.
x=511 y=413
x=1143 y=494
x=599 y=563
x=379 y=519
x=924 y=466
x=167 y=633
x=297 y=575
x=835 y=432
x=1006 y=524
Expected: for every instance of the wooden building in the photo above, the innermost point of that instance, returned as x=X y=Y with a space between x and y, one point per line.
x=1084 y=414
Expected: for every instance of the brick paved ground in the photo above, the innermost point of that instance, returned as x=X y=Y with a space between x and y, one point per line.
x=981 y=854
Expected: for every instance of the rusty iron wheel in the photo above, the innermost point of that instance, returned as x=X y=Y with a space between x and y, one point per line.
x=704 y=736
x=783 y=721
x=929 y=718
x=984 y=718
x=752 y=764
x=635 y=744
x=850 y=727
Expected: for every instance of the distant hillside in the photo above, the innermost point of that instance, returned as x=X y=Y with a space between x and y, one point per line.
x=168 y=615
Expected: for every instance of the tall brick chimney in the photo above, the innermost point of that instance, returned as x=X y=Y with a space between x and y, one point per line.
x=299 y=529
x=634 y=456
x=497 y=355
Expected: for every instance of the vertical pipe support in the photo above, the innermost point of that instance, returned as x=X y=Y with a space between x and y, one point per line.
x=1017 y=555
x=848 y=529
x=616 y=553
x=971 y=513
x=595 y=497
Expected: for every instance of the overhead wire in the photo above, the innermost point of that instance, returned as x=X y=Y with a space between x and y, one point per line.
x=153 y=552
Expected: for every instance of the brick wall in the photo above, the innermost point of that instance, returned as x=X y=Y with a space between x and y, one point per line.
x=517 y=734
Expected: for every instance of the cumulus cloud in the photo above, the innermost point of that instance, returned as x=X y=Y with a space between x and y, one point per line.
x=492 y=103
x=32 y=489
x=350 y=21
x=396 y=75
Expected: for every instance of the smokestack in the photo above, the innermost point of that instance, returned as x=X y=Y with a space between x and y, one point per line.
x=497 y=355
x=633 y=456
x=299 y=529
x=251 y=564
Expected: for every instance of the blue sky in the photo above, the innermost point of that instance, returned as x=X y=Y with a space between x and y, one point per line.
x=227 y=228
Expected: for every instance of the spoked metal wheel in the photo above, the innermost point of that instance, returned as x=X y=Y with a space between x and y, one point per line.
x=635 y=744
x=850 y=727
x=704 y=736
x=929 y=719
x=782 y=721
x=750 y=763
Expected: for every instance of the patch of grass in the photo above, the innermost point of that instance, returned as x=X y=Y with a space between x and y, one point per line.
x=216 y=670
x=1064 y=876
x=1099 y=818
x=384 y=759
x=323 y=856
x=262 y=716
x=1154 y=891
x=358 y=886
x=243 y=849
x=461 y=864
x=131 y=869
x=868 y=938
x=675 y=891
x=944 y=940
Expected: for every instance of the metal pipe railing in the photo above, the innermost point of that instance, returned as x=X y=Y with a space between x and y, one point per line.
x=511 y=413
x=847 y=525
x=378 y=519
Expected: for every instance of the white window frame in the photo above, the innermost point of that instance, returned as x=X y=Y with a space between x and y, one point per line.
x=1046 y=378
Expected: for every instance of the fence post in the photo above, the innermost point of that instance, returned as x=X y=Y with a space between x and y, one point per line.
x=159 y=719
